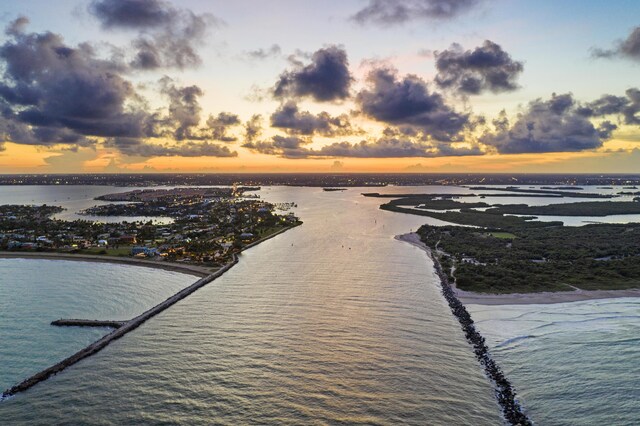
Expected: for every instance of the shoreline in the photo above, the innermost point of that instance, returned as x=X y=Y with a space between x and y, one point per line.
x=187 y=268
x=122 y=327
x=505 y=393
x=119 y=332
x=198 y=271
x=547 y=297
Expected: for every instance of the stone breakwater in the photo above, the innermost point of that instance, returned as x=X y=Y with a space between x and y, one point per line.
x=87 y=323
x=505 y=393
x=116 y=334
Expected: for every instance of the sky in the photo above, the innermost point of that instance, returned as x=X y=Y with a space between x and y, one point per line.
x=307 y=86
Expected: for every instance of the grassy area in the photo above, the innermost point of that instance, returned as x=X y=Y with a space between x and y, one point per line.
x=593 y=208
x=110 y=251
x=565 y=194
x=474 y=218
x=503 y=235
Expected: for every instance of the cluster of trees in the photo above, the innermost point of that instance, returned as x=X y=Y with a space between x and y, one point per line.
x=590 y=208
x=539 y=258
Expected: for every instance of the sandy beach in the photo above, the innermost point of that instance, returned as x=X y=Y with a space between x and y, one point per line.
x=469 y=297
x=199 y=271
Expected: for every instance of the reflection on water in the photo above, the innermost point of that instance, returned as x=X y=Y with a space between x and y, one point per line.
x=331 y=322
x=336 y=322
x=35 y=292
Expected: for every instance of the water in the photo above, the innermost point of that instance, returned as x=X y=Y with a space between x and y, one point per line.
x=35 y=292
x=73 y=199
x=302 y=330
x=573 y=363
x=337 y=322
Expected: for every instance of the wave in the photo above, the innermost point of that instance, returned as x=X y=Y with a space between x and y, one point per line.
x=584 y=321
x=514 y=340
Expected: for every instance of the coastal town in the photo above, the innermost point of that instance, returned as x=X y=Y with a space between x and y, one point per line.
x=207 y=225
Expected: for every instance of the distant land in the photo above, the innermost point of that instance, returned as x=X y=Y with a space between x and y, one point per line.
x=322 y=179
x=494 y=252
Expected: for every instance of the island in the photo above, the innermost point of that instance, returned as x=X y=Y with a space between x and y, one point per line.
x=501 y=249
x=208 y=226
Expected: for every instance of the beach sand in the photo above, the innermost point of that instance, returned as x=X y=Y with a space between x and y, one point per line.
x=199 y=271
x=469 y=297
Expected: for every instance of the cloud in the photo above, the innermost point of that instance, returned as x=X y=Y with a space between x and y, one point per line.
x=220 y=125
x=471 y=72
x=55 y=94
x=167 y=37
x=136 y=147
x=294 y=121
x=48 y=86
x=284 y=146
x=262 y=54
x=628 y=48
x=182 y=122
x=394 y=148
x=184 y=108
x=628 y=107
x=407 y=101
x=18 y=26
x=384 y=147
x=395 y=12
x=326 y=78
x=555 y=125
x=253 y=128
x=337 y=165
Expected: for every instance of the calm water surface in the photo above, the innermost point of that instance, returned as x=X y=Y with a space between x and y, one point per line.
x=336 y=322
x=332 y=322
x=35 y=292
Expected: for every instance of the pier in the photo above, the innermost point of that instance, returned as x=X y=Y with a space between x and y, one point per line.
x=120 y=331
x=87 y=323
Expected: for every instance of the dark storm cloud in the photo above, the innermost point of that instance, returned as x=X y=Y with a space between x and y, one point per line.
x=393 y=12
x=136 y=147
x=407 y=101
x=628 y=48
x=288 y=117
x=219 y=126
x=47 y=84
x=471 y=72
x=556 y=125
x=55 y=94
x=627 y=107
x=326 y=78
x=261 y=54
x=167 y=37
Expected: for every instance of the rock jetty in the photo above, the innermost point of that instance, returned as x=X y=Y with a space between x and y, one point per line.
x=87 y=323
x=115 y=334
x=505 y=392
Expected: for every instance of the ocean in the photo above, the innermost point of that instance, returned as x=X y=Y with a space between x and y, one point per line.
x=333 y=322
